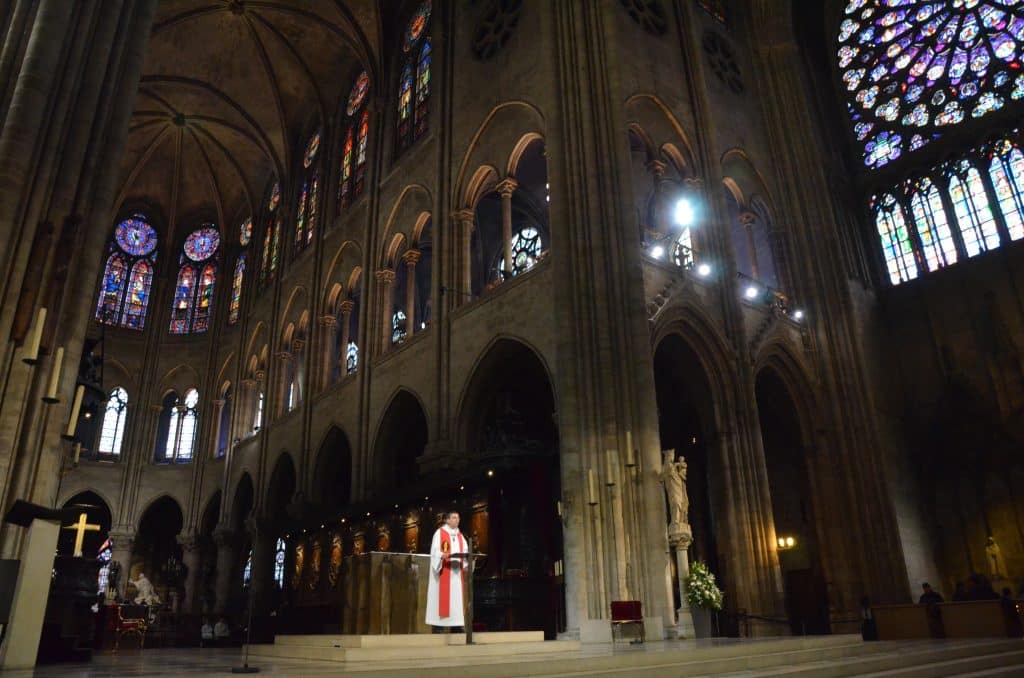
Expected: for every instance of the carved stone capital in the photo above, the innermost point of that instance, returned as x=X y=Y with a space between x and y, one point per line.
x=260 y=375
x=693 y=183
x=226 y=538
x=346 y=307
x=412 y=257
x=298 y=345
x=680 y=535
x=506 y=187
x=747 y=218
x=328 y=321
x=656 y=167
x=219 y=403
x=188 y=542
x=283 y=356
x=385 y=276
x=462 y=216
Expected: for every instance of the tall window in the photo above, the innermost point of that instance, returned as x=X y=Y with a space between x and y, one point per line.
x=414 y=82
x=895 y=234
x=932 y=225
x=112 y=430
x=1006 y=171
x=279 y=556
x=236 y=290
x=179 y=423
x=247 y=571
x=193 y=293
x=128 y=274
x=526 y=249
x=913 y=70
x=257 y=422
x=353 y=152
x=305 y=222
x=271 y=236
x=224 y=432
x=970 y=205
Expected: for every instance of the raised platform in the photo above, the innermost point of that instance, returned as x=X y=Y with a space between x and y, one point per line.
x=425 y=646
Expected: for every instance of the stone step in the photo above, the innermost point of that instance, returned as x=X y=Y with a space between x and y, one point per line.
x=986 y=664
x=489 y=648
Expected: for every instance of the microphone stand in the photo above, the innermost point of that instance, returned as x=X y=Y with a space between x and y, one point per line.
x=245 y=668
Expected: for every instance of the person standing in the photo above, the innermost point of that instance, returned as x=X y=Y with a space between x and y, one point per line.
x=444 y=589
x=930 y=595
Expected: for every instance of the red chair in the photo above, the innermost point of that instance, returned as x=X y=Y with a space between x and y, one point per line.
x=627 y=612
x=120 y=626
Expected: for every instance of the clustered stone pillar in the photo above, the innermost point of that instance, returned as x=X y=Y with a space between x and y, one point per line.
x=284 y=360
x=411 y=258
x=505 y=189
x=385 y=281
x=191 y=557
x=218 y=411
x=680 y=536
x=463 y=281
x=346 y=307
x=121 y=543
x=328 y=325
x=747 y=221
x=299 y=357
x=226 y=541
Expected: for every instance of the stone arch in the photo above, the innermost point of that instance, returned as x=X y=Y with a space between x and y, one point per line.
x=98 y=512
x=520 y=147
x=484 y=179
x=156 y=542
x=70 y=493
x=242 y=501
x=653 y=121
x=401 y=436
x=179 y=379
x=405 y=214
x=331 y=480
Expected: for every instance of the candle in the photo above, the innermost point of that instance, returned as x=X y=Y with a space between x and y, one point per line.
x=35 y=337
x=77 y=450
x=76 y=407
x=51 y=388
x=630 y=456
x=611 y=466
x=591 y=487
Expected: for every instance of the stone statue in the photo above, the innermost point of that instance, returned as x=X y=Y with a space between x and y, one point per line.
x=147 y=594
x=673 y=476
x=996 y=565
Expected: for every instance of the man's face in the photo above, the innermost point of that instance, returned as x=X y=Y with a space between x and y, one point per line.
x=453 y=520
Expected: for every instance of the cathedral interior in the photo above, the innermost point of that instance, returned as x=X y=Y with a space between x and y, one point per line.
x=284 y=280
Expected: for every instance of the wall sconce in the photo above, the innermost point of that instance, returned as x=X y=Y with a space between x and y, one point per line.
x=786 y=543
x=591 y=487
x=51 y=387
x=35 y=337
x=630 y=452
x=611 y=460
x=76 y=408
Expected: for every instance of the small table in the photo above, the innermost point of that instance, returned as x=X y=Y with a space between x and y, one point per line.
x=467 y=590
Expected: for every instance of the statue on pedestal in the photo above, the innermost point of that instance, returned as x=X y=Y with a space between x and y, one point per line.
x=996 y=564
x=673 y=476
x=147 y=594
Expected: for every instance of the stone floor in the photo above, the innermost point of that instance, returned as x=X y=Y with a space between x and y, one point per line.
x=828 y=656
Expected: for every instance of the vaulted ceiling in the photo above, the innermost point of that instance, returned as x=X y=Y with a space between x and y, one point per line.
x=229 y=91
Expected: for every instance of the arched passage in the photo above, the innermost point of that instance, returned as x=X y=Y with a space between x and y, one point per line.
x=686 y=423
x=95 y=544
x=156 y=551
x=782 y=437
x=401 y=437
x=509 y=432
x=332 y=478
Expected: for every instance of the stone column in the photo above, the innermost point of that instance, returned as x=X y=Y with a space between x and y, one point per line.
x=248 y=396
x=695 y=187
x=191 y=558
x=299 y=356
x=747 y=221
x=281 y=397
x=262 y=536
x=411 y=257
x=218 y=410
x=346 y=307
x=385 y=280
x=226 y=541
x=679 y=538
x=122 y=542
x=505 y=189
x=462 y=282
x=328 y=323
x=261 y=381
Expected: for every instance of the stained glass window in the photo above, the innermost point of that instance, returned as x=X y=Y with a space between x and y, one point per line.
x=268 y=262
x=1007 y=173
x=895 y=235
x=236 y=290
x=351 y=357
x=275 y=197
x=245 y=232
x=193 y=293
x=526 y=249
x=182 y=425
x=124 y=288
x=414 y=83
x=112 y=429
x=311 y=148
x=398 y=326
x=257 y=421
x=305 y=221
x=247 y=571
x=970 y=205
x=103 y=576
x=912 y=68
x=279 y=557
x=932 y=225
x=353 y=152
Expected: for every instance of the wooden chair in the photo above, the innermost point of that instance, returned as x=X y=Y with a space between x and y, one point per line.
x=120 y=626
x=627 y=612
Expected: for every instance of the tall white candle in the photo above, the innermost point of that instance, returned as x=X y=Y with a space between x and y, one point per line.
x=611 y=466
x=77 y=450
x=51 y=387
x=591 y=486
x=35 y=337
x=76 y=407
x=630 y=455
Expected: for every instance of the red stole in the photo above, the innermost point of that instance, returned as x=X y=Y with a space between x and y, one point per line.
x=445 y=590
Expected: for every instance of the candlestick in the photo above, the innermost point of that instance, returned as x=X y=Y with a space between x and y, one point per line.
x=35 y=337
x=611 y=466
x=591 y=487
x=51 y=389
x=630 y=453
x=76 y=407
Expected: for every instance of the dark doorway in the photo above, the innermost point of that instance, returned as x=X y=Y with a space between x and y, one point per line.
x=332 y=482
x=156 y=551
x=400 y=441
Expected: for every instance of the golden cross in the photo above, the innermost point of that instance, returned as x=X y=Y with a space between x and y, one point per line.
x=82 y=526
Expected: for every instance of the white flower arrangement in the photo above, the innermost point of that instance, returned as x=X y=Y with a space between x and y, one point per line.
x=701 y=590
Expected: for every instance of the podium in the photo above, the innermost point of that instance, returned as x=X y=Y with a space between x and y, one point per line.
x=467 y=590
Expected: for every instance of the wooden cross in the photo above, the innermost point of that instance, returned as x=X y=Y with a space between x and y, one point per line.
x=82 y=526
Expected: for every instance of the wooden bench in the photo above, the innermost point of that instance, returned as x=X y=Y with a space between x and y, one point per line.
x=969 y=619
x=903 y=622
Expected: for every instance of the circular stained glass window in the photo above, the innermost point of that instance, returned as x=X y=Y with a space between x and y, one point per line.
x=913 y=68
x=416 y=25
x=135 y=236
x=358 y=94
x=311 y=149
x=202 y=243
x=275 y=196
x=245 y=232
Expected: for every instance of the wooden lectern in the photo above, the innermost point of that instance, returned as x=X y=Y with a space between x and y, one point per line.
x=469 y=559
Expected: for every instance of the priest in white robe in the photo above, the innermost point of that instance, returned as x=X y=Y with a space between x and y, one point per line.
x=444 y=590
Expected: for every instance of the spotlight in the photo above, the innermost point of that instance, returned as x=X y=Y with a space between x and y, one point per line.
x=490 y=473
x=798 y=315
x=703 y=270
x=752 y=292
x=657 y=251
x=790 y=542
x=683 y=213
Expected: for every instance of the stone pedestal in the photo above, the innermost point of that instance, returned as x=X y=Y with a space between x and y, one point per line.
x=679 y=538
x=22 y=639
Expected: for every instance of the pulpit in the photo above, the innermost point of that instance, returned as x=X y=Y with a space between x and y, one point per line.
x=385 y=593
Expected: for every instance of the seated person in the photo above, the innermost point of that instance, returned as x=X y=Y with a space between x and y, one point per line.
x=221 y=630
x=206 y=632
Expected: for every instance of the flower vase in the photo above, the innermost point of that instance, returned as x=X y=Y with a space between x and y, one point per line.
x=701 y=622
